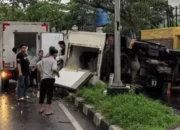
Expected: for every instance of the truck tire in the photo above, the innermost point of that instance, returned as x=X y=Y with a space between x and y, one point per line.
x=4 y=85
x=125 y=63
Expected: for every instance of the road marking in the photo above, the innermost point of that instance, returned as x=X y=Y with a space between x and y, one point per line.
x=71 y=117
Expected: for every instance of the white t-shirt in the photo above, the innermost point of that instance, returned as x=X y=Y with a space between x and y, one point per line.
x=48 y=66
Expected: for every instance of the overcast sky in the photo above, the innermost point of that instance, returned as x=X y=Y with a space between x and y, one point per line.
x=174 y=2
x=65 y=1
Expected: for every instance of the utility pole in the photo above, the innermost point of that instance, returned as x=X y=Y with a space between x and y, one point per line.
x=117 y=46
x=117 y=87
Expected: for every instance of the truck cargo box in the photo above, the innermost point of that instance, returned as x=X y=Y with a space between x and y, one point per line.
x=83 y=58
x=13 y=34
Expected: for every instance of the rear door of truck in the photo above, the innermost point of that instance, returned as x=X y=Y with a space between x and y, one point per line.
x=16 y=33
x=50 y=39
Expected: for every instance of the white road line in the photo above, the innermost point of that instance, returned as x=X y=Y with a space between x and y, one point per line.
x=71 y=117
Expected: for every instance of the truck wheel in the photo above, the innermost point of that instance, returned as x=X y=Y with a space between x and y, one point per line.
x=4 y=85
x=125 y=63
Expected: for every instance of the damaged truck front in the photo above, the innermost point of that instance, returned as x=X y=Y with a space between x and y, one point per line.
x=146 y=65
x=158 y=65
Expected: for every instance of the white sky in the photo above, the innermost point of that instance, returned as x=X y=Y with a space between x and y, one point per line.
x=65 y=1
x=174 y=2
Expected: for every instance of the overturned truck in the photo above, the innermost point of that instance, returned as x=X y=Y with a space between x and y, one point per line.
x=145 y=64
x=149 y=66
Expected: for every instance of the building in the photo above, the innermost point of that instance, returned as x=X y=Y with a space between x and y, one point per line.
x=170 y=37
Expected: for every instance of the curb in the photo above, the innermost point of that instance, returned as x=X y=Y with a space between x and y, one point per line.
x=88 y=110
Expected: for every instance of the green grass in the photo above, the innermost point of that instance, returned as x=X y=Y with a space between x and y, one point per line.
x=130 y=111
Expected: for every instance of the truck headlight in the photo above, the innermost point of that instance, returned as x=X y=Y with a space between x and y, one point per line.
x=5 y=74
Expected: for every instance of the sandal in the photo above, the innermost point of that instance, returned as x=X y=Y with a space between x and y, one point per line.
x=49 y=114
x=42 y=111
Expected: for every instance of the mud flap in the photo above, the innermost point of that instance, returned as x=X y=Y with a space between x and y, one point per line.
x=72 y=79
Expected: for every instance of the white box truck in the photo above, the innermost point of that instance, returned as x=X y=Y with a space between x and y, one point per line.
x=12 y=34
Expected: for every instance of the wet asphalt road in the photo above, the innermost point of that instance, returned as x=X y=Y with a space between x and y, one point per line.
x=16 y=115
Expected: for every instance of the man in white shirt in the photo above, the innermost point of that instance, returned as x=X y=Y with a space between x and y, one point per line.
x=48 y=70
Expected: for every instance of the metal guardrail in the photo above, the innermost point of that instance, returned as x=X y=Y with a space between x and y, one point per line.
x=172 y=17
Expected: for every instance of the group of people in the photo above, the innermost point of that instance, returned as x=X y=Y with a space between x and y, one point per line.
x=45 y=70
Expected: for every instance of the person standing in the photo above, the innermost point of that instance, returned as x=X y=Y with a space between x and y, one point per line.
x=61 y=58
x=35 y=74
x=63 y=47
x=41 y=56
x=23 y=73
x=48 y=69
x=15 y=51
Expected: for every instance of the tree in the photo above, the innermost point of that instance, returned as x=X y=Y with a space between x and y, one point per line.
x=59 y=15
x=8 y=13
x=135 y=14
x=33 y=11
x=79 y=14
x=45 y=12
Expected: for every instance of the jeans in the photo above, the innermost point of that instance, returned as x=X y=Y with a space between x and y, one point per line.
x=23 y=84
x=33 y=76
x=38 y=78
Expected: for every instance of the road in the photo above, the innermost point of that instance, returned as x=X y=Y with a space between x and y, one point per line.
x=16 y=115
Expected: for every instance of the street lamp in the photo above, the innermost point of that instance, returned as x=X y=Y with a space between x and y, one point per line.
x=117 y=87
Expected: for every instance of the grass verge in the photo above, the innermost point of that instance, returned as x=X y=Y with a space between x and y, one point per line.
x=130 y=111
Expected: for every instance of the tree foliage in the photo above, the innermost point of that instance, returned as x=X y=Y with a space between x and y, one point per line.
x=135 y=14
x=46 y=12
x=59 y=15
x=79 y=14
